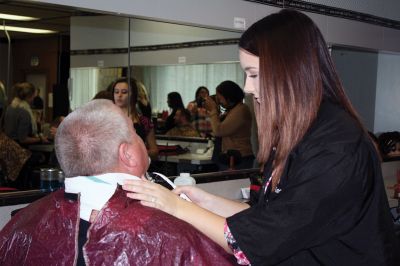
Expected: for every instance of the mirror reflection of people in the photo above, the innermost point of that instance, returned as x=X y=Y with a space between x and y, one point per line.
x=37 y=102
x=201 y=121
x=142 y=124
x=19 y=121
x=94 y=212
x=175 y=102
x=322 y=200
x=184 y=127
x=234 y=127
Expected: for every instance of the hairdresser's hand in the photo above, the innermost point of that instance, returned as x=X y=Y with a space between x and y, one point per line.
x=210 y=105
x=153 y=195
x=195 y=194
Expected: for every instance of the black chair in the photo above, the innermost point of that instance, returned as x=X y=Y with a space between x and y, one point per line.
x=230 y=158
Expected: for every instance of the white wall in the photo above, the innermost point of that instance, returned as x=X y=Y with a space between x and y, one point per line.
x=387 y=107
x=358 y=73
x=389 y=173
x=221 y=13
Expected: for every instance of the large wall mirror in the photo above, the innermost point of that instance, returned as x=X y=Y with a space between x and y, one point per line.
x=166 y=57
x=89 y=50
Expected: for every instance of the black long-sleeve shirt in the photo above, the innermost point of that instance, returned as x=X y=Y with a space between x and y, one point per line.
x=330 y=207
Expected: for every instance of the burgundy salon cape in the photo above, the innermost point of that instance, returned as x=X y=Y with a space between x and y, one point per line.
x=124 y=233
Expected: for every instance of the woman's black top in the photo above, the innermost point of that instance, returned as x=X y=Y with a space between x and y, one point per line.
x=330 y=207
x=170 y=121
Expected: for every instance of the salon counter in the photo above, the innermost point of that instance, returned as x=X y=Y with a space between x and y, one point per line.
x=187 y=158
x=227 y=184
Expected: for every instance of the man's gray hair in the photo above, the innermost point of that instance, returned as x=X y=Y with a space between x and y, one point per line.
x=88 y=139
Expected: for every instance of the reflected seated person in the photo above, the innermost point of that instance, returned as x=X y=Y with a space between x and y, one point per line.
x=183 y=126
x=92 y=222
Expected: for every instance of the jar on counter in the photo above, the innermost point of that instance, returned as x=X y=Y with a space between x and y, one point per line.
x=184 y=179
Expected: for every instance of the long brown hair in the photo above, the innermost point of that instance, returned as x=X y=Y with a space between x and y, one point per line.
x=133 y=93
x=296 y=73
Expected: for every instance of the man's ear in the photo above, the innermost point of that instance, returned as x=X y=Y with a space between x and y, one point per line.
x=126 y=155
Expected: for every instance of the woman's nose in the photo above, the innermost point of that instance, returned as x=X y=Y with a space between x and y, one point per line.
x=248 y=88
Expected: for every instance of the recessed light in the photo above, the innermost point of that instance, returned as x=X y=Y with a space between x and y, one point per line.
x=16 y=17
x=28 y=30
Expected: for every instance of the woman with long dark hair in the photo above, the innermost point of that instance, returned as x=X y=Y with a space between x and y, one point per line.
x=322 y=200
x=143 y=125
x=175 y=102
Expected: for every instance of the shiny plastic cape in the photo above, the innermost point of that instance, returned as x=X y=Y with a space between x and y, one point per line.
x=124 y=233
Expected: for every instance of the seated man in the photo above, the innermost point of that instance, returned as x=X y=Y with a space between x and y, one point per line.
x=183 y=126
x=93 y=222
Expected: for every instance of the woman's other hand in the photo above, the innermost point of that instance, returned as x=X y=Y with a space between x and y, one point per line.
x=192 y=107
x=210 y=105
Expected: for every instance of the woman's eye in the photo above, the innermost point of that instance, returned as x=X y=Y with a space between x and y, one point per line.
x=253 y=76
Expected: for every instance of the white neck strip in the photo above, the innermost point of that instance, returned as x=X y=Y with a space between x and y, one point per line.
x=95 y=191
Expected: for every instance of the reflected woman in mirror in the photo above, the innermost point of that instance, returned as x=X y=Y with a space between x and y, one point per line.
x=175 y=102
x=322 y=200
x=200 y=119
x=143 y=125
x=233 y=126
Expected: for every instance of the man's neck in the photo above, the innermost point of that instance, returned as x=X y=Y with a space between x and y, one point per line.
x=94 y=191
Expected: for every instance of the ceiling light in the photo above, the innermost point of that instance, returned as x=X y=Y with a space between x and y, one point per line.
x=16 y=17
x=28 y=30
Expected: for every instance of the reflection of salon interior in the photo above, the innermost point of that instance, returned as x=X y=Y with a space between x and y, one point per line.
x=187 y=45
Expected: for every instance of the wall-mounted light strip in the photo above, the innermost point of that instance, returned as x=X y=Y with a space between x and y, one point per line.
x=149 y=48
x=16 y=17
x=331 y=11
x=27 y=30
